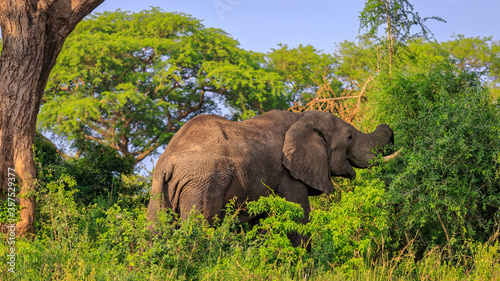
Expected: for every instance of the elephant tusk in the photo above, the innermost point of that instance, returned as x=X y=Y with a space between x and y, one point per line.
x=392 y=156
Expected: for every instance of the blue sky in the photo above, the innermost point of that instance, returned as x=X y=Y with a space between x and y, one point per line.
x=260 y=25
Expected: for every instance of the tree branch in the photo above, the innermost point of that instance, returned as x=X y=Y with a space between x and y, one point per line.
x=446 y=233
x=494 y=236
x=363 y=90
x=175 y=85
x=101 y=142
x=72 y=11
x=146 y=152
x=339 y=98
x=97 y=129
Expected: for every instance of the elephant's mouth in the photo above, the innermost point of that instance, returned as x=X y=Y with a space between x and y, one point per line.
x=350 y=172
x=363 y=164
x=360 y=164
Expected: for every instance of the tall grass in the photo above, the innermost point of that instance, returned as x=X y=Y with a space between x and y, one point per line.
x=92 y=243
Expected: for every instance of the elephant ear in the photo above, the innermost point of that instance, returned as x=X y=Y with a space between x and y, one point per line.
x=305 y=151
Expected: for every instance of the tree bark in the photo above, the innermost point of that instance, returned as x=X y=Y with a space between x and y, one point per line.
x=33 y=33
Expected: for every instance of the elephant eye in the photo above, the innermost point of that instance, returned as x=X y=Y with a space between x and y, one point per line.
x=349 y=137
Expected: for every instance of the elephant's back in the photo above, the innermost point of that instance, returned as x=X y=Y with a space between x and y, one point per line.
x=251 y=144
x=199 y=126
x=202 y=133
x=209 y=133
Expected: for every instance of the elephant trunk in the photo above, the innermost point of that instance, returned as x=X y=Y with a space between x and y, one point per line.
x=368 y=145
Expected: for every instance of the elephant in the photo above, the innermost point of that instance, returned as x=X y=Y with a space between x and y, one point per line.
x=212 y=160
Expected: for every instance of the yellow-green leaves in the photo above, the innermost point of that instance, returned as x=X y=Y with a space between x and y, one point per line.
x=302 y=69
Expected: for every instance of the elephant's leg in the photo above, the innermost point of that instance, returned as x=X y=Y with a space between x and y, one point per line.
x=206 y=195
x=296 y=191
x=190 y=199
x=157 y=200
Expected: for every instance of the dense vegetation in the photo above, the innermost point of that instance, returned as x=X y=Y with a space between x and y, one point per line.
x=125 y=82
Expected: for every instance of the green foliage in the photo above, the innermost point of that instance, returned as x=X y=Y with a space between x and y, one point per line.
x=353 y=230
x=6 y=211
x=400 y=20
x=101 y=175
x=480 y=55
x=98 y=171
x=418 y=89
x=446 y=186
x=58 y=213
x=350 y=237
x=486 y=262
x=467 y=54
x=356 y=62
x=116 y=243
x=398 y=16
x=302 y=69
x=282 y=218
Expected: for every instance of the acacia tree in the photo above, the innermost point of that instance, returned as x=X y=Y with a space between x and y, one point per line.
x=356 y=63
x=399 y=17
x=33 y=33
x=302 y=69
x=130 y=80
x=479 y=55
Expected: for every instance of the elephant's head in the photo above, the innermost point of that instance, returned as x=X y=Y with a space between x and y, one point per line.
x=320 y=145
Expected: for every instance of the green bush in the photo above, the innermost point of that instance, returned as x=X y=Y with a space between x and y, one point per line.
x=282 y=219
x=58 y=214
x=445 y=189
x=352 y=230
x=101 y=175
x=348 y=237
x=98 y=172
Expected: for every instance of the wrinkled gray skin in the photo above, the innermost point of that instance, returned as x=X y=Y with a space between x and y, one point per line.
x=212 y=160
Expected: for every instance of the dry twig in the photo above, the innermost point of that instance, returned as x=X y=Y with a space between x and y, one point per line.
x=340 y=105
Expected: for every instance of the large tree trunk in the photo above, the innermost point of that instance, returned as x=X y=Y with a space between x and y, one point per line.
x=33 y=32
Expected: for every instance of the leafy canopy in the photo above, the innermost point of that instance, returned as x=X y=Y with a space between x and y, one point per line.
x=130 y=80
x=398 y=16
x=302 y=69
x=481 y=55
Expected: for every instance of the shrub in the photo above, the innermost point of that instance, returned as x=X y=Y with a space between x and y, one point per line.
x=352 y=230
x=282 y=219
x=445 y=190
x=58 y=214
x=98 y=172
